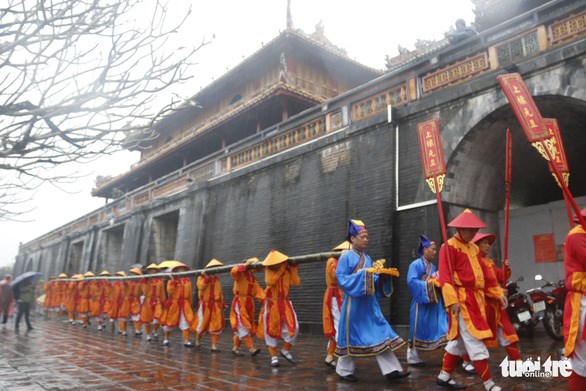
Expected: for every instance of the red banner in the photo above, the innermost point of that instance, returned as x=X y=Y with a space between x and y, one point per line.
x=557 y=151
x=430 y=145
x=523 y=106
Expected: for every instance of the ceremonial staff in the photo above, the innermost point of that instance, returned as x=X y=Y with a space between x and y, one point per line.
x=434 y=170
x=535 y=130
x=508 y=177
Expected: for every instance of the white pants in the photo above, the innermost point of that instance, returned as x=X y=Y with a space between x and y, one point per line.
x=199 y=328
x=273 y=342
x=578 y=358
x=241 y=331
x=387 y=361
x=335 y=315
x=413 y=356
x=467 y=343
x=183 y=325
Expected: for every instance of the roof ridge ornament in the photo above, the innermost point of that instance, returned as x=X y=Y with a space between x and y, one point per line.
x=289 y=16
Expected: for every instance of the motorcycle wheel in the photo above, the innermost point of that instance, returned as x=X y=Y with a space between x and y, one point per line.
x=553 y=324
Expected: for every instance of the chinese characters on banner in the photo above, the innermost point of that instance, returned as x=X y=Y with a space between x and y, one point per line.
x=430 y=146
x=524 y=107
x=556 y=146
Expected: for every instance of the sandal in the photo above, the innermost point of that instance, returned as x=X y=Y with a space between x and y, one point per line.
x=331 y=363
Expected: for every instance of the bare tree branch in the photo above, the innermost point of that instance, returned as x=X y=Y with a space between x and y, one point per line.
x=78 y=79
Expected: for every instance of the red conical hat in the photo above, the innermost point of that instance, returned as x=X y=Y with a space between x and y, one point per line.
x=583 y=213
x=479 y=236
x=467 y=219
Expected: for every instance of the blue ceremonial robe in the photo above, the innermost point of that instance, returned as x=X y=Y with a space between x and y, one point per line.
x=428 y=318
x=362 y=329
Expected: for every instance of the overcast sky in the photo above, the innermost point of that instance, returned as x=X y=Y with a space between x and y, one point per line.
x=367 y=29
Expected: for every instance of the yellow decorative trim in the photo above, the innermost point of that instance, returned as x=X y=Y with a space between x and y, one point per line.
x=455 y=73
x=378 y=103
x=568 y=28
x=281 y=142
x=565 y=176
x=541 y=149
x=440 y=183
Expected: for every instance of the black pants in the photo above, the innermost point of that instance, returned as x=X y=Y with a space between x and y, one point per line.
x=4 y=312
x=23 y=308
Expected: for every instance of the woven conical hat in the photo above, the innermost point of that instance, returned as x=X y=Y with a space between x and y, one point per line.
x=214 y=262
x=274 y=258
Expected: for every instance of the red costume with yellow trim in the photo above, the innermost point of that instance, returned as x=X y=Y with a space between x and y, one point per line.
x=575 y=307
x=466 y=281
x=495 y=314
x=474 y=281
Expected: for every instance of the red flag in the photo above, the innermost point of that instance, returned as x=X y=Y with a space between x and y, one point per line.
x=523 y=106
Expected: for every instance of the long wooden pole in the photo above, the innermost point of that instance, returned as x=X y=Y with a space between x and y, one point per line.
x=508 y=177
x=309 y=258
x=564 y=187
x=440 y=208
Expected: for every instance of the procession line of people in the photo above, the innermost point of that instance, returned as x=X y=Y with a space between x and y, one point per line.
x=459 y=306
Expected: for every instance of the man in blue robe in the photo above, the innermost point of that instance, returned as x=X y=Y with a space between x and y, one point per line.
x=428 y=319
x=363 y=330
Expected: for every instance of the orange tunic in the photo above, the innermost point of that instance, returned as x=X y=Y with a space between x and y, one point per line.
x=471 y=281
x=131 y=303
x=211 y=306
x=277 y=301
x=178 y=302
x=83 y=294
x=333 y=292
x=97 y=291
x=575 y=268
x=117 y=294
x=58 y=296
x=153 y=290
x=496 y=316
x=71 y=296
x=246 y=289
x=48 y=289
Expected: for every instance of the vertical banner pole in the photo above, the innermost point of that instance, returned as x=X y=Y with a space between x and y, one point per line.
x=432 y=158
x=508 y=177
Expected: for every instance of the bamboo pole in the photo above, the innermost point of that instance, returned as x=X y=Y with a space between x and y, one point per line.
x=298 y=260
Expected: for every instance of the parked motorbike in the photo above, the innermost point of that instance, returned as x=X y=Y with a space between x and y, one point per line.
x=521 y=309
x=555 y=299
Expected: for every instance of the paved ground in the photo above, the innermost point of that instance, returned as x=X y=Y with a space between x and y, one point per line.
x=57 y=356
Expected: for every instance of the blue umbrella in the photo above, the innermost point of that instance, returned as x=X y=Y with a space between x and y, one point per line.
x=33 y=276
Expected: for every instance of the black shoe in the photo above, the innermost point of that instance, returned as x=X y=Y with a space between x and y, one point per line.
x=396 y=375
x=419 y=364
x=450 y=384
x=255 y=352
x=29 y=329
x=351 y=378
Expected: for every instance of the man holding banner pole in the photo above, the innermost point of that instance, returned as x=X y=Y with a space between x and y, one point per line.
x=463 y=294
x=463 y=278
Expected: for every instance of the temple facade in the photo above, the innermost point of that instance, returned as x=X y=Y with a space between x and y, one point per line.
x=279 y=152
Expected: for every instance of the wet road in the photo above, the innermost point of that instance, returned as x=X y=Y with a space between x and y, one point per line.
x=57 y=356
